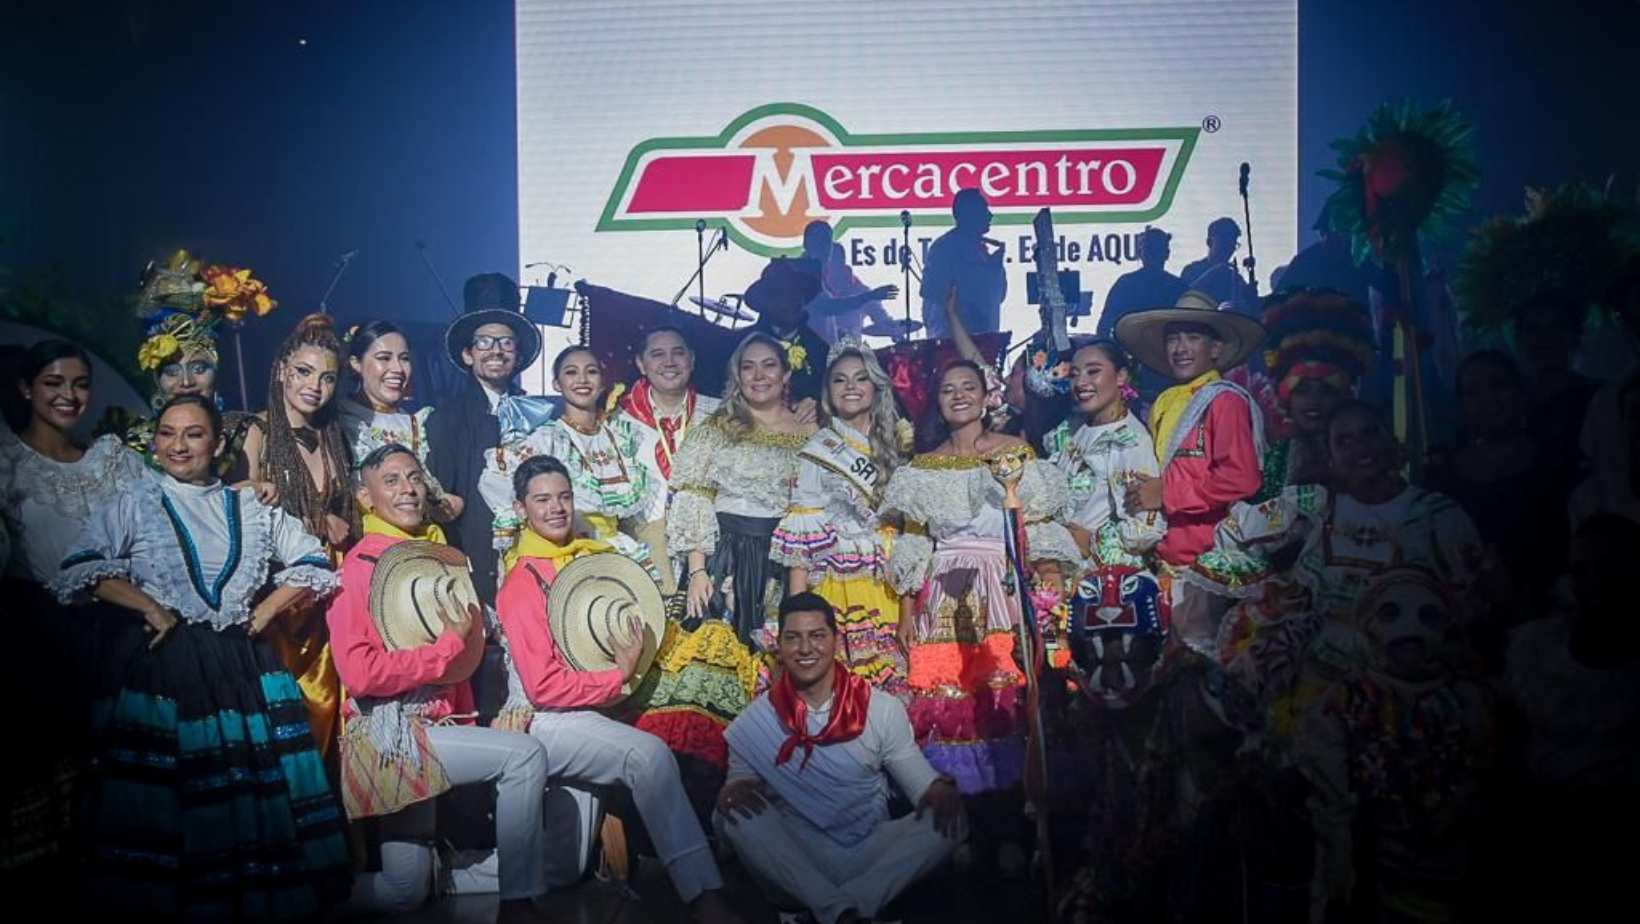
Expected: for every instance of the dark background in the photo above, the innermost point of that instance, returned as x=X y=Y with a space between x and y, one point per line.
x=281 y=135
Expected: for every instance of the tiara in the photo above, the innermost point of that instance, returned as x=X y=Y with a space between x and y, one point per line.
x=848 y=343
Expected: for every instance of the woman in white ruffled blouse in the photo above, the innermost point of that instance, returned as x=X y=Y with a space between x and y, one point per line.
x=832 y=539
x=379 y=356
x=207 y=768
x=1100 y=454
x=959 y=600
x=50 y=485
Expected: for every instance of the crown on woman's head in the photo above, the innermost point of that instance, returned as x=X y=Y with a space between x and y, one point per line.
x=848 y=343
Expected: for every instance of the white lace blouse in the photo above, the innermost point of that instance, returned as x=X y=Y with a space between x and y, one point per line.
x=46 y=503
x=203 y=552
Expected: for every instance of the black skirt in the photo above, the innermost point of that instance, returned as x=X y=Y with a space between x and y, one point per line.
x=207 y=799
x=747 y=585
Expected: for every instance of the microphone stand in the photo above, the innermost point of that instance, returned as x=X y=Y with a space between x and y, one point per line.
x=421 y=248
x=1249 y=261
x=905 y=263
x=342 y=264
x=700 y=268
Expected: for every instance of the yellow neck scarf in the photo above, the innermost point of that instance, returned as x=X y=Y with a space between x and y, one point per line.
x=1169 y=406
x=531 y=544
x=375 y=525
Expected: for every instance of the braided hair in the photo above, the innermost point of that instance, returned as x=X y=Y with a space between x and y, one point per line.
x=281 y=453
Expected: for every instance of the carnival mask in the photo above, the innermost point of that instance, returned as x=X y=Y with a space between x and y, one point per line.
x=1118 y=624
x=1407 y=616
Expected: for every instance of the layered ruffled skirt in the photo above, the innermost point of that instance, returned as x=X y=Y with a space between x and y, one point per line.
x=965 y=685
x=208 y=799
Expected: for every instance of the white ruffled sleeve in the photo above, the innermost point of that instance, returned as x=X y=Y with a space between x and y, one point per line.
x=913 y=551
x=495 y=486
x=1288 y=515
x=303 y=558
x=805 y=535
x=1045 y=496
x=1143 y=532
x=102 y=550
x=691 y=525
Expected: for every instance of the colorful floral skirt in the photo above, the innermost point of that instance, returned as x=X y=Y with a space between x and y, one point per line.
x=700 y=681
x=208 y=800
x=965 y=685
x=868 y=615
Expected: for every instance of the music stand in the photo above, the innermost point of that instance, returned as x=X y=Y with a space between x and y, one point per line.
x=546 y=307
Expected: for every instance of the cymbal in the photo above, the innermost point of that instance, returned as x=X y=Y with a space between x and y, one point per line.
x=723 y=308
x=892 y=327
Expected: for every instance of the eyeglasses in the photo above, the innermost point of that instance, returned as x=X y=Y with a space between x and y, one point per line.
x=485 y=341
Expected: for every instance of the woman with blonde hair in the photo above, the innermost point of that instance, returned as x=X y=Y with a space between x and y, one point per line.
x=733 y=477
x=831 y=539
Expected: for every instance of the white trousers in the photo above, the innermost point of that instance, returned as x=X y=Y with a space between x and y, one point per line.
x=587 y=747
x=572 y=817
x=799 y=866
x=517 y=764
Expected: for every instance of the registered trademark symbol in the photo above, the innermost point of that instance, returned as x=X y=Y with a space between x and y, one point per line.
x=1211 y=124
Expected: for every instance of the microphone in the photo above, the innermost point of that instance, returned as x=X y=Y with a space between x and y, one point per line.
x=346 y=257
x=905 y=218
x=552 y=278
x=700 y=226
x=1246 y=171
x=723 y=238
x=538 y=263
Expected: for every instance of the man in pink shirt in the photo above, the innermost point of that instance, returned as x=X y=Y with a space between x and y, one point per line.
x=1209 y=437
x=409 y=733
x=583 y=744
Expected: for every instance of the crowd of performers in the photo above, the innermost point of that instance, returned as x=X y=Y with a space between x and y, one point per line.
x=1278 y=684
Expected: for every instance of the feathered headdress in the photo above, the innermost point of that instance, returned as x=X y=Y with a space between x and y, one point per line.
x=1565 y=251
x=1316 y=334
x=1408 y=173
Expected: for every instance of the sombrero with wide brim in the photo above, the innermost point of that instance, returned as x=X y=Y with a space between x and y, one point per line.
x=587 y=608
x=1144 y=333
x=492 y=298
x=785 y=281
x=412 y=582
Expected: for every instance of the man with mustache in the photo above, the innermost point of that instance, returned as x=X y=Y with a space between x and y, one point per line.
x=491 y=343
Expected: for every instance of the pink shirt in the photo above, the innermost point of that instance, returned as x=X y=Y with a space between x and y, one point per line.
x=366 y=665
x=548 y=681
x=1216 y=465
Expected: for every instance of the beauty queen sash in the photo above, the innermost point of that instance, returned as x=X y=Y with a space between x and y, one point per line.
x=828 y=449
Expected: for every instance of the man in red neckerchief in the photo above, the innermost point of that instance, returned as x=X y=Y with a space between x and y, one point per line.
x=665 y=402
x=806 y=802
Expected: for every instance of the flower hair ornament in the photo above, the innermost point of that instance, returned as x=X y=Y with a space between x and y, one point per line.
x=181 y=303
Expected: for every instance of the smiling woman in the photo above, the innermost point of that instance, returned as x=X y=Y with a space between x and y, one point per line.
x=298 y=444
x=376 y=414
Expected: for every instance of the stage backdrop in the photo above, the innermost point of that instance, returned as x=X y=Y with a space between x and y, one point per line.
x=635 y=120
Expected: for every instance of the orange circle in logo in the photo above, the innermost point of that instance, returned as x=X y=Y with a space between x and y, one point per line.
x=774 y=222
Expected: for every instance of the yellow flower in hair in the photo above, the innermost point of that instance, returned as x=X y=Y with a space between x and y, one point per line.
x=614 y=396
x=796 y=357
x=156 y=350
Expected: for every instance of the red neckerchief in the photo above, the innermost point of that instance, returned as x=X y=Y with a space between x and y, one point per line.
x=641 y=405
x=850 y=697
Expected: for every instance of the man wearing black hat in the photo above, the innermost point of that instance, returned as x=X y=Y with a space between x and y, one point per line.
x=779 y=296
x=492 y=343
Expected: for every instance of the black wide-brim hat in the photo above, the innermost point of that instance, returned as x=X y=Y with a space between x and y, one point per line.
x=1144 y=333
x=783 y=281
x=492 y=298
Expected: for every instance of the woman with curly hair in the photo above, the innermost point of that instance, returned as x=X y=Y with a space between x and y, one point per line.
x=298 y=444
